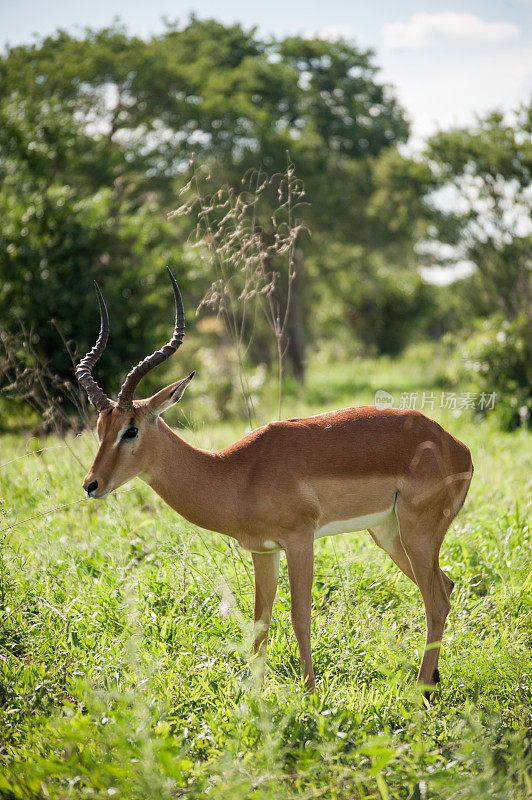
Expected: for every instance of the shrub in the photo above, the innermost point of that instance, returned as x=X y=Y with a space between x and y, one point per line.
x=499 y=357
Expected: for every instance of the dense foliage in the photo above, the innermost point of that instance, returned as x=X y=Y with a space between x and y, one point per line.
x=97 y=133
x=487 y=172
x=96 y=138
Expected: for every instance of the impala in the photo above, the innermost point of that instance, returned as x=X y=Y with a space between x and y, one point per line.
x=395 y=473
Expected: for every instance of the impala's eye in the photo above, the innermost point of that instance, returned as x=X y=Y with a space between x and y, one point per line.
x=130 y=433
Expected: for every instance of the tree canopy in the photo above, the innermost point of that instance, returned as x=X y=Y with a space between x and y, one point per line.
x=98 y=133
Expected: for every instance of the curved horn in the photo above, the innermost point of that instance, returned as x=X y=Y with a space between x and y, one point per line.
x=125 y=396
x=83 y=370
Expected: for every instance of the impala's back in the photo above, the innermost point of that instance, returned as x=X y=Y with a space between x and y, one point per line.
x=346 y=464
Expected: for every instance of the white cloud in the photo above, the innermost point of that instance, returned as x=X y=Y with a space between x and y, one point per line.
x=453 y=92
x=423 y=28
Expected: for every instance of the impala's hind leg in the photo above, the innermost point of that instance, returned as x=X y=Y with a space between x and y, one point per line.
x=386 y=536
x=422 y=534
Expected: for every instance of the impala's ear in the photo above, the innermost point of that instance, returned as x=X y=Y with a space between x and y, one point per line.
x=169 y=395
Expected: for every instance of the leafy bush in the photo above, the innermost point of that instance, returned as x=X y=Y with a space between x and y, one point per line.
x=498 y=356
x=58 y=236
x=385 y=307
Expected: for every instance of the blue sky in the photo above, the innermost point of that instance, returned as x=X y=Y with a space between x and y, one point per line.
x=447 y=60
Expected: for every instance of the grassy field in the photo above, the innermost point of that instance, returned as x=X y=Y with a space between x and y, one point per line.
x=125 y=638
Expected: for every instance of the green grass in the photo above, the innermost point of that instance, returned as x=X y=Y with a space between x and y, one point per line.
x=119 y=676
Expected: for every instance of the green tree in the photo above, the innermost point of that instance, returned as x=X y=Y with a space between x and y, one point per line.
x=60 y=232
x=117 y=120
x=236 y=102
x=486 y=175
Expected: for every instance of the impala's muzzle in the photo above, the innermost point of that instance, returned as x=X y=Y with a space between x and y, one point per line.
x=91 y=488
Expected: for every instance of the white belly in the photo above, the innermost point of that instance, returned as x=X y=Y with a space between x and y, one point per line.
x=354 y=524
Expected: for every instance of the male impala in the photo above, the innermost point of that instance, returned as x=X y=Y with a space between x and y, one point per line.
x=395 y=473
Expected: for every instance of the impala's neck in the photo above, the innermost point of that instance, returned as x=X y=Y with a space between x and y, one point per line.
x=192 y=481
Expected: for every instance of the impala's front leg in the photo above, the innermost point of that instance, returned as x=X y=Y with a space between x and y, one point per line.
x=300 y=561
x=266 y=568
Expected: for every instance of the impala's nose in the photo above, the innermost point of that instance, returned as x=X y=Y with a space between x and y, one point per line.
x=93 y=485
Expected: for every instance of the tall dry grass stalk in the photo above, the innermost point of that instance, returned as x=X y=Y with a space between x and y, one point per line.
x=250 y=237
